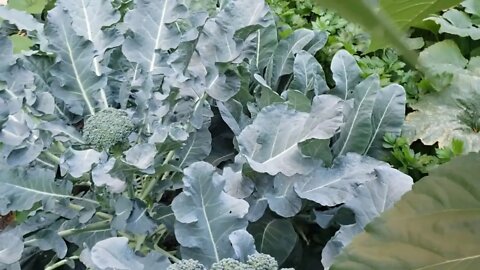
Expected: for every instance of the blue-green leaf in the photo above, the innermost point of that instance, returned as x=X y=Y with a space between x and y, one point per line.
x=76 y=82
x=206 y=215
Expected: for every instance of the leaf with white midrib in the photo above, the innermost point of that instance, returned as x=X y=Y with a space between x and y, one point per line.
x=89 y=17
x=205 y=215
x=270 y=143
x=22 y=189
x=150 y=23
x=356 y=133
x=76 y=82
x=387 y=116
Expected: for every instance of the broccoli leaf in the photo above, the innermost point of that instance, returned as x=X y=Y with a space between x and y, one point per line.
x=206 y=215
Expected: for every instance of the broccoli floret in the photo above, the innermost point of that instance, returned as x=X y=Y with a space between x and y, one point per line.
x=107 y=128
x=187 y=265
x=230 y=264
x=260 y=261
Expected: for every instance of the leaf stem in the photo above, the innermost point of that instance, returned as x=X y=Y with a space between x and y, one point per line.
x=61 y=263
x=102 y=225
x=155 y=180
x=166 y=253
x=52 y=157
x=98 y=214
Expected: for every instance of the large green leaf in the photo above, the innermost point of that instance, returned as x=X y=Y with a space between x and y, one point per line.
x=30 y=6
x=412 y=12
x=276 y=237
x=206 y=215
x=20 y=189
x=346 y=74
x=11 y=248
x=154 y=28
x=281 y=62
x=387 y=117
x=270 y=143
x=458 y=23
x=335 y=185
x=375 y=20
x=451 y=113
x=89 y=17
x=368 y=201
x=434 y=226
x=77 y=84
x=357 y=130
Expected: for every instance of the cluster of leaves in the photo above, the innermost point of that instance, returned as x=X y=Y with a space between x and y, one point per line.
x=450 y=109
x=298 y=14
x=232 y=141
x=351 y=37
x=416 y=163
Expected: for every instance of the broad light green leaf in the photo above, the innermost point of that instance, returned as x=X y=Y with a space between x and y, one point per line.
x=471 y=6
x=89 y=17
x=20 y=189
x=281 y=62
x=434 y=226
x=154 y=28
x=276 y=237
x=282 y=199
x=76 y=163
x=387 y=117
x=141 y=156
x=440 y=117
x=206 y=215
x=196 y=148
x=30 y=6
x=243 y=244
x=237 y=184
x=22 y=20
x=114 y=253
x=308 y=74
x=357 y=131
x=11 y=247
x=297 y=100
x=442 y=59
x=20 y=43
x=270 y=143
x=368 y=201
x=412 y=12
x=49 y=240
x=101 y=176
x=346 y=74
x=335 y=185
x=77 y=84
x=458 y=23
x=265 y=43
x=132 y=216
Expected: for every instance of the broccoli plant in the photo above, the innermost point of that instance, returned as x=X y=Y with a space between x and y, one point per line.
x=184 y=134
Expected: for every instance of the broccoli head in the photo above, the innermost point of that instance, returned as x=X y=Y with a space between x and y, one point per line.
x=260 y=261
x=187 y=265
x=230 y=264
x=107 y=128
